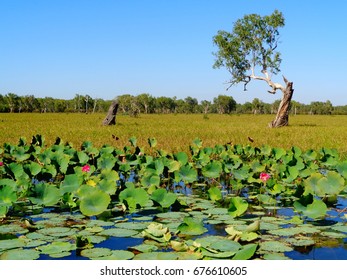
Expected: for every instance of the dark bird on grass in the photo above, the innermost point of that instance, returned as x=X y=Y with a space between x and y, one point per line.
x=250 y=139
x=115 y=137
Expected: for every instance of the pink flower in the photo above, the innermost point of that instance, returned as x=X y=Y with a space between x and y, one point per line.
x=264 y=176
x=86 y=168
x=1 y=163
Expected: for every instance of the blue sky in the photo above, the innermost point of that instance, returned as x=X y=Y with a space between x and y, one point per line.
x=106 y=48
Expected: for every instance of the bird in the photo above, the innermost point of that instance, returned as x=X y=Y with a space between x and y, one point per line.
x=250 y=139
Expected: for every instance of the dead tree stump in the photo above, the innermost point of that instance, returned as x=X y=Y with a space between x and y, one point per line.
x=111 y=114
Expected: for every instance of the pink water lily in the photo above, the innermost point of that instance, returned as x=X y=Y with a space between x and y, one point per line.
x=86 y=168
x=264 y=176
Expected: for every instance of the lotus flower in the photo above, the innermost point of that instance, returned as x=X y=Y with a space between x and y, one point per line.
x=86 y=168
x=1 y=163
x=264 y=176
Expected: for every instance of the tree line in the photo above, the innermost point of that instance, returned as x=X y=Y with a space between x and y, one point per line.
x=147 y=104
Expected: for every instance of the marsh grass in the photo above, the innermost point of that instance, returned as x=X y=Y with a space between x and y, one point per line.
x=175 y=132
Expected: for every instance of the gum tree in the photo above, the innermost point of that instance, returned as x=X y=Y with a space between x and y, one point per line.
x=249 y=53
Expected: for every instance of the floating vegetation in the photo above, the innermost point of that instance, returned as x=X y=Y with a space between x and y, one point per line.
x=222 y=202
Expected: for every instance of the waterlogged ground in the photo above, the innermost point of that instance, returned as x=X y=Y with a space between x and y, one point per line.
x=224 y=202
x=280 y=235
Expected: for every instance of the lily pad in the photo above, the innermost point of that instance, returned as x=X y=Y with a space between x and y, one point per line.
x=20 y=254
x=275 y=246
x=11 y=244
x=237 y=206
x=164 y=198
x=144 y=248
x=56 y=247
x=117 y=255
x=119 y=232
x=191 y=226
x=94 y=253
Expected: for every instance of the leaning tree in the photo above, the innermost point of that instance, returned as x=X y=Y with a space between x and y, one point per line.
x=249 y=53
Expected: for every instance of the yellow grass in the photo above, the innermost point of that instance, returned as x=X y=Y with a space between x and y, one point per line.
x=176 y=132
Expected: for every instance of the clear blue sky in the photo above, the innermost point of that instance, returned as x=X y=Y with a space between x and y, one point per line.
x=105 y=48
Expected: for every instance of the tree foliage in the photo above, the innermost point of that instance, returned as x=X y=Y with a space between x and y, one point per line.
x=251 y=45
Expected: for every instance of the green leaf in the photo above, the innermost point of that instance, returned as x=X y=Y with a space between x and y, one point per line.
x=182 y=158
x=237 y=206
x=212 y=169
x=94 y=202
x=187 y=174
x=7 y=196
x=34 y=168
x=246 y=252
x=83 y=158
x=45 y=194
x=134 y=197
x=20 y=254
x=164 y=198
x=70 y=184
x=315 y=210
x=191 y=226
x=214 y=193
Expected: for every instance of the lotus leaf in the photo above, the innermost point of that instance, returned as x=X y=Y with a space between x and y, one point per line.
x=57 y=231
x=56 y=247
x=237 y=206
x=7 y=195
x=94 y=202
x=20 y=254
x=157 y=232
x=144 y=248
x=246 y=252
x=186 y=173
x=164 y=198
x=95 y=253
x=60 y=255
x=317 y=209
x=70 y=184
x=216 y=255
x=275 y=246
x=215 y=193
x=333 y=234
x=134 y=197
x=11 y=244
x=275 y=256
x=191 y=226
x=341 y=228
x=303 y=241
x=119 y=232
x=106 y=162
x=117 y=255
x=212 y=169
x=132 y=225
x=45 y=194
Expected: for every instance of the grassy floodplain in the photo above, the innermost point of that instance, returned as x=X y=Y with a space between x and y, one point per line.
x=176 y=132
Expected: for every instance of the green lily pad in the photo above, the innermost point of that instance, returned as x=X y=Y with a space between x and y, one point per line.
x=94 y=253
x=60 y=255
x=144 y=248
x=56 y=247
x=119 y=232
x=20 y=254
x=94 y=202
x=341 y=228
x=301 y=242
x=117 y=255
x=11 y=244
x=57 y=231
x=237 y=206
x=246 y=252
x=191 y=226
x=275 y=246
x=131 y=225
x=317 y=209
x=275 y=256
x=164 y=198
x=12 y=229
